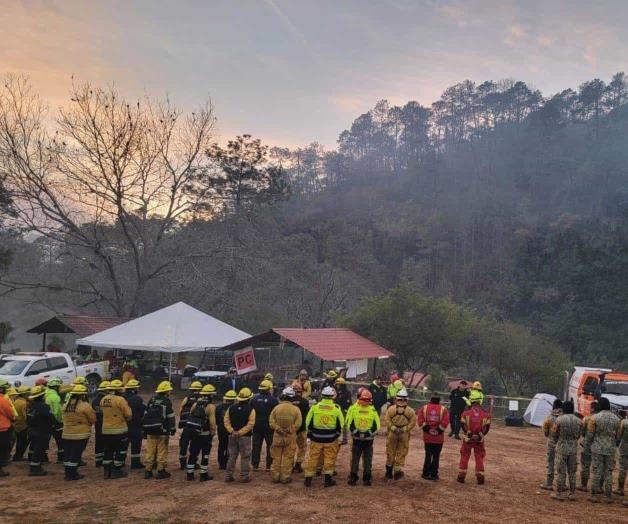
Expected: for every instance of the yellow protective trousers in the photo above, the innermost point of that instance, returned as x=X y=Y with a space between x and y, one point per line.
x=328 y=452
x=397 y=449
x=282 y=452
x=301 y=446
x=156 y=452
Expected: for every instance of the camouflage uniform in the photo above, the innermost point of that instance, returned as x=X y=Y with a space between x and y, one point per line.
x=548 y=424
x=622 y=437
x=585 y=456
x=601 y=434
x=565 y=435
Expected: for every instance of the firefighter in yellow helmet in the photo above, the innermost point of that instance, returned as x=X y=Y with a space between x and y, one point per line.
x=263 y=403
x=239 y=423
x=115 y=430
x=158 y=425
x=99 y=444
x=78 y=419
x=184 y=412
x=138 y=408
x=285 y=421
x=324 y=424
x=40 y=422
x=201 y=424
x=223 y=437
x=400 y=421
x=20 y=403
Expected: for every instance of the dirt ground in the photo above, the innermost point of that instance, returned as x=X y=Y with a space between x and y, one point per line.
x=515 y=468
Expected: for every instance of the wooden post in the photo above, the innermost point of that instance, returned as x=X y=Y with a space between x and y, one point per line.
x=43 y=343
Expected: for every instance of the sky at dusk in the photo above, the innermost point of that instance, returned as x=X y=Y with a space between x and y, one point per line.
x=292 y=71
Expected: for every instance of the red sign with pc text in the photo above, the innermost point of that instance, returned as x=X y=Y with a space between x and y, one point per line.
x=245 y=360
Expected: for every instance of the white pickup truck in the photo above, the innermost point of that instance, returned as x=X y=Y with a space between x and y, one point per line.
x=25 y=368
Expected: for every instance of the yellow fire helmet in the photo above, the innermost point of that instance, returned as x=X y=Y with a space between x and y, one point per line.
x=37 y=391
x=104 y=385
x=79 y=389
x=269 y=376
x=164 y=387
x=230 y=396
x=477 y=385
x=79 y=380
x=340 y=381
x=196 y=386
x=331 y=374
x=208 y=389
x=244 y=395
x=23 y=390
x=11 y=392
x=265 y=385
x=115 y=385
x=132 y=384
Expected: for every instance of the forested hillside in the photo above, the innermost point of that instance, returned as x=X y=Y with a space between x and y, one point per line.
x=497 y=198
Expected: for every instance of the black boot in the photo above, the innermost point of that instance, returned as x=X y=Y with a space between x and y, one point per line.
x=182 y=463
x=136 y=463
x=366 y=480
x=118 y=473
x=107 y=469
x=398 y=475
x=76 y=475
x=205 y=477
x=329 y=481
x=3 y=473
x=98 y=464
x=148 y=474
x=308 y=482
x=389 y=473
x=163 y=474
x=68 y=473
x=297 y=468
x=190 y=476
x=353 y=479
x=37 y=471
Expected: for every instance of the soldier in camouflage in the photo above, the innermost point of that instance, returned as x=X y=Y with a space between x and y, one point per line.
x=601 y=433
x=548 y=424
x=565 y=435
x=622 y=439
x=585 y=455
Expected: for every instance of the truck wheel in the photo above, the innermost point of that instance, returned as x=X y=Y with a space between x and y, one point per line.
x=93 y=381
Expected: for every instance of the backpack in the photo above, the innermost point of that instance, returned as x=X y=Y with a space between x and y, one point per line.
x=198 y=421
x=154 y=418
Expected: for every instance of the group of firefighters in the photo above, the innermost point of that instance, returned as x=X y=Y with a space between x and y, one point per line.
x=242 y=422
x=601 y=436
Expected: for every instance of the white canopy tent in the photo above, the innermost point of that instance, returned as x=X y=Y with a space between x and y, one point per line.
x=173 y=329
x=538 y=409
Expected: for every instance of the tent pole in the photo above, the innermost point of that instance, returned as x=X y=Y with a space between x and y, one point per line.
x=170 y=369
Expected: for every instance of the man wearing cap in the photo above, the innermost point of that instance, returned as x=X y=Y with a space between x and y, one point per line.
x=40 y=421
x=433 y=419
x=7 y=418
x=456 y=406
x=400 y=421
x=475 y=424
x=550 y=450
x=239 y=423
x=285 y=420
x=324 y=424
x=565 y=433
x=223 y=437
x=263 y=403
x=115 y=430
x=138 y=408
x=301 y=439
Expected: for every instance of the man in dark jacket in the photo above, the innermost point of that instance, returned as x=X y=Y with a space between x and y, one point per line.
x=378 y=391
x=40 y=422
x=263 y=403
x=304 y=406
x=229 y=399
x=99 y=443
x=343 y=399
x=456 y=406
x=231 y=382
x=138 y=408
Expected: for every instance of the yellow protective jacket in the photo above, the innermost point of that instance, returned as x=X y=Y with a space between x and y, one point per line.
x=20 y=404
x=307 y=388
x=78 y=419
x=363 y=421
x=285 y=418
x=115 y=414
x=400 y=419
x=324 y=422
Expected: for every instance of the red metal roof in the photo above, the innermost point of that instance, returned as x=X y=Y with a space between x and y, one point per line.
x=82 y=325
x=334 y=343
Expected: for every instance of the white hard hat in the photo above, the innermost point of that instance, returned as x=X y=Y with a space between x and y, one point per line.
x=402 y=394
x=328 y=391
x=288 y=392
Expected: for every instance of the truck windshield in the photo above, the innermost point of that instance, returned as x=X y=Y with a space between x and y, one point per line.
x=611 y=387
x=12 y=367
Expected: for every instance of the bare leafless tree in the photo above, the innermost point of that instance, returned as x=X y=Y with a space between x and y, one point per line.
x=104 y=180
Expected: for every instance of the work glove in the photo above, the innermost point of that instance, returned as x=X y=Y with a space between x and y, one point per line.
x=440 y=431
x=426 y=428
x=172 y=432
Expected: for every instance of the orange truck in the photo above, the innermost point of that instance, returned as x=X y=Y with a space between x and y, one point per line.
x=588 y=384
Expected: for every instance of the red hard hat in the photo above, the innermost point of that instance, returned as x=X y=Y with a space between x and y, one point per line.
x=41 y=382
x=394 y=377
x=297 y=387
x=365 y=395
